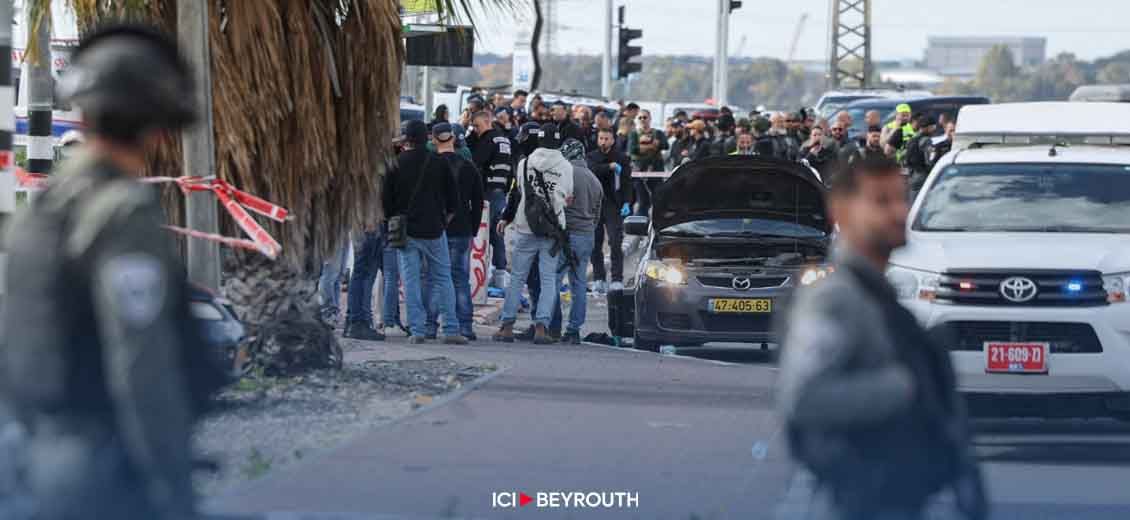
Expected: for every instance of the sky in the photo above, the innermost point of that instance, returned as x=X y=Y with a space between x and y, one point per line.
x=1088 y=28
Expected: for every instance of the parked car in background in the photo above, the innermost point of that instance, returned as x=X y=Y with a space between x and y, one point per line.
x=219 y=327
x=1101 y=93
x=835 y=100
x=412 y=112
x=933 y=106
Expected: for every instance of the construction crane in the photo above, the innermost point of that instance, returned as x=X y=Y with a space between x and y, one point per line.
x=796 y=37
x=741 y=46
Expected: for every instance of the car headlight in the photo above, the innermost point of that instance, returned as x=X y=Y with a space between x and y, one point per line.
x=1115 y=286
x=205 y=311
x=666 y=273
x=815 y=274
x=911 y=284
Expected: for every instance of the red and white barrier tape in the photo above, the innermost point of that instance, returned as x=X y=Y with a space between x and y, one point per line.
x=237 y=202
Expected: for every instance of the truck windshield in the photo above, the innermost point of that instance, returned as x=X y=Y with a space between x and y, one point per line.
x=1042 y=198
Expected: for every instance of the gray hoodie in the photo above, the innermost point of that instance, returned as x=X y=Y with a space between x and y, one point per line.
x=582 y=214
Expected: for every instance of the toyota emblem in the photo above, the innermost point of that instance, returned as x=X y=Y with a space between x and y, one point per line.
x=1018 y=289
x=741 y=283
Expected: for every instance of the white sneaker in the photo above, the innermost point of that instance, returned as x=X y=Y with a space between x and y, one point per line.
x=616 y=286
x=601 y=287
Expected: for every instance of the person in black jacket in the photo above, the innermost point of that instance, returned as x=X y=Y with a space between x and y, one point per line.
x=493 y=157
x=566 y=128
x=615 y=173
x=421 y=189
x=919 y=152
x=868 y=397
x=461 y=230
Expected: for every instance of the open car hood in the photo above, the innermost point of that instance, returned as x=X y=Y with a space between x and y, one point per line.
x=741 y=187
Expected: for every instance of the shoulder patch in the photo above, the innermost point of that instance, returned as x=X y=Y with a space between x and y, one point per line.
x=137 y=283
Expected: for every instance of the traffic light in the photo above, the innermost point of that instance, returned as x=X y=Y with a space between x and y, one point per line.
x=735 y=5
x=628 y=51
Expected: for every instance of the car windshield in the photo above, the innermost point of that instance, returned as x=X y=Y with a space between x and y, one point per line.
x=859 y=118
x=1078 y=198
x=742 y=227
x=833 y=104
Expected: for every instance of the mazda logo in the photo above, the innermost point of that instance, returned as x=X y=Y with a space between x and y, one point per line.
x=741 y=283
x=1018 y=289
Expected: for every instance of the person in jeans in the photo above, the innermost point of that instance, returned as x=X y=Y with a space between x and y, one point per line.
x=422 y=190
x=390 y=291
x=557 y=175
x=329 y=283
x=580 y=223
x=460 y=231
x=367 y=260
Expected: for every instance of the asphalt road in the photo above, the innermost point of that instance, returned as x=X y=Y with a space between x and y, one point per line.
x=692 y=437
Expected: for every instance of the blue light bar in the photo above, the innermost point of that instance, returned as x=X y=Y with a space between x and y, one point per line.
x=1074 y=286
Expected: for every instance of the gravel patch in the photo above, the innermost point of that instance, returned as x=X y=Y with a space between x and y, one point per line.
x=263 y=424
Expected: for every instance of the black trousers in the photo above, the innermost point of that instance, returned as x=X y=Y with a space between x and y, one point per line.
x=612 y=225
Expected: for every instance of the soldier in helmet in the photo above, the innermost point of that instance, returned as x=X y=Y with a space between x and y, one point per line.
x=99 y=356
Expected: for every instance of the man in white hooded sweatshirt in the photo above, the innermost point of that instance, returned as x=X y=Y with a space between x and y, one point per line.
x=529 y=246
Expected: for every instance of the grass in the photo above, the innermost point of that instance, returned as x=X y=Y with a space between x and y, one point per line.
x=256 y=465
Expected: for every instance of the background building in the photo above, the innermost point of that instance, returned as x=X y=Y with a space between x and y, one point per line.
x=959 y=56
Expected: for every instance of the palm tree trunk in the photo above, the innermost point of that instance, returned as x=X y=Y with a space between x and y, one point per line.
x=279 y=305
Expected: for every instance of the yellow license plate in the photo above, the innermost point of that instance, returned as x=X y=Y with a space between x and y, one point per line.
x=741 y=305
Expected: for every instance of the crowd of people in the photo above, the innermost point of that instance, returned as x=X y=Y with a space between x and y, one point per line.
x=561 y=178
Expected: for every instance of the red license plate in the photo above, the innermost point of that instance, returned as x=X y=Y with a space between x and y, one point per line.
x=1013 y=357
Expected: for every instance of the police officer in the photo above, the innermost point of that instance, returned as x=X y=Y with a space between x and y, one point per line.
x=919 y=153
x=100 y=350
x=493 y=156
x=868 y=397
x=898 y=132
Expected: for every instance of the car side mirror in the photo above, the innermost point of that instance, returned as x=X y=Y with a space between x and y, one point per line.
x=636 y=226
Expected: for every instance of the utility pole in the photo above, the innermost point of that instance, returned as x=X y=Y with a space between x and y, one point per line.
x=606 y=62
x=721 y=51
x=198 y=147
x=7 y=129
x=849 y=49
x=40 y=92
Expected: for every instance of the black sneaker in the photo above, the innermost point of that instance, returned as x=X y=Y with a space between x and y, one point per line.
x=362 y=331
x=471 y=336
x=571 y=337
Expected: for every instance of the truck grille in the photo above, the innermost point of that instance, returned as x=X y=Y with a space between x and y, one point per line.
x=1054 y=288
x=1065 y=338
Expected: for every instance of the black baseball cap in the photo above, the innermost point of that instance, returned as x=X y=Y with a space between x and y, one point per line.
x=414 y=131
x=442 y=132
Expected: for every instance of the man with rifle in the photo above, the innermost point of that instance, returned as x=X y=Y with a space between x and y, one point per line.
x=537 y=208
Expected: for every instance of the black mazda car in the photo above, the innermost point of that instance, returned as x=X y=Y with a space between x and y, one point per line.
x=728 y=241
